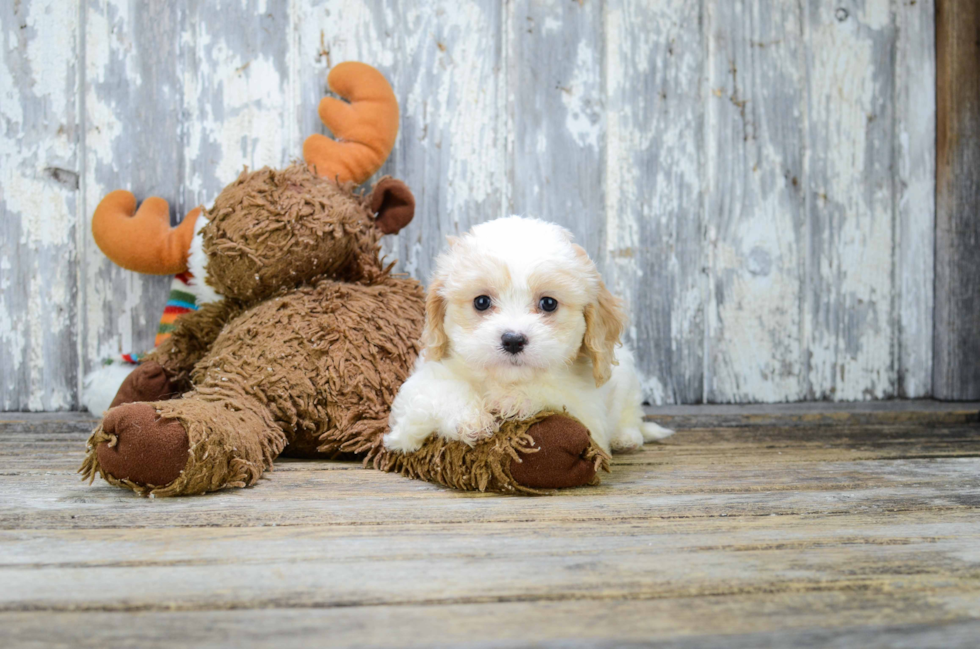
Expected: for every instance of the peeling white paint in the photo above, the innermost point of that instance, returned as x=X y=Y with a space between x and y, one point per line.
x=46 y=217
x=37 y=203
x=753 y=328
x=851 y=348
x=876 y=14
x=916 y=185
x=585 y=117
x=551 y=25
x=652 y=180
x=10 y=109
x=12 y=334
x=250 y=131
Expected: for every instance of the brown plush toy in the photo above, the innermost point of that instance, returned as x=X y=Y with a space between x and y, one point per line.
x=309 y=334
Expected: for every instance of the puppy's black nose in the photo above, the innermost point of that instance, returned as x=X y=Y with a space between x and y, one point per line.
x=513 y=343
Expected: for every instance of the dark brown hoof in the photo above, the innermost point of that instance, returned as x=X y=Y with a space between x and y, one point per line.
x=149 y=450
x=148 y=382
x=561 y=461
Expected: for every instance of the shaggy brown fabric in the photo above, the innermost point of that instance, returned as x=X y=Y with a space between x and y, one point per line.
x=291 y=355
x=228 y=444
x=139 y=446
x=193 y=335
x=272 y=229
x=319 y=365
x=331 y=358
x=488 y=466
x=562 y=446
x=147 y=382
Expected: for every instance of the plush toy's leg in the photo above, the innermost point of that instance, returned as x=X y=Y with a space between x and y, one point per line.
x=184 y=446
x=147 y=382
x=533 y=456
x=141 y=447
x=561 y=456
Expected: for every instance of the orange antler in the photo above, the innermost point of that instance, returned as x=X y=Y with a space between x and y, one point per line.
x=365 y=128
x=143 y=242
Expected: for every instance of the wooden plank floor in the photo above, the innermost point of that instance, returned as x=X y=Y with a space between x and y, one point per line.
x=789 y=526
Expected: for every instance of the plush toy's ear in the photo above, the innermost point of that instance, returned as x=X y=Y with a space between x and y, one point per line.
x=394 y=204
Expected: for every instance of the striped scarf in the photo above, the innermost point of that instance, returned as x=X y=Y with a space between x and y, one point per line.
x=181 y=301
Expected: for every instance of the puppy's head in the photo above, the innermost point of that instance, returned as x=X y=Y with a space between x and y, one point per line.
x=515 y=297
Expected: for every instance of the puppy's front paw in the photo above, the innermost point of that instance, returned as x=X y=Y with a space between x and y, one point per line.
x=405 y=439
x=513 y=407
x=626 y=440
x=475 y=425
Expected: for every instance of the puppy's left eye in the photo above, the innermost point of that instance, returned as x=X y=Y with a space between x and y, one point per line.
x=482 y=302
x=548 y=304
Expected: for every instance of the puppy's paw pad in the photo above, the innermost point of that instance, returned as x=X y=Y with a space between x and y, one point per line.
x=653 y=432
x=626 y=440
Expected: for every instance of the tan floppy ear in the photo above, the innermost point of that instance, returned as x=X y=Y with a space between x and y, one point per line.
x=434 y=338
x=604 y=322
x=394 y=204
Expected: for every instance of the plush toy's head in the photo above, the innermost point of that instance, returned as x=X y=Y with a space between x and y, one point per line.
x=271 y=229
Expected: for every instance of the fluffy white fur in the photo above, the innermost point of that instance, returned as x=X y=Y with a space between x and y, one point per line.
x=99 y=387
x=465 y=382
x=197 y=264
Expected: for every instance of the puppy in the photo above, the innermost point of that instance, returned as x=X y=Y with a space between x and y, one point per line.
x=518 y=321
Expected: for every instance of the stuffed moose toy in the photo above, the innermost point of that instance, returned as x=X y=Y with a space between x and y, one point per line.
x=303 y=336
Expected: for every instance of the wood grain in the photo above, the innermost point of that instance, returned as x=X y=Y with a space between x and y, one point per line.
x=654 y=253
x=698 y=474
x=755 y=220
x=132 y=93
x=39 y=206
x=557 y=115
x=733 y=536
x=472 y=566
x=781 y=619
x=237 y=110
x=915 y=194
x=957 y=343
x=849 y=316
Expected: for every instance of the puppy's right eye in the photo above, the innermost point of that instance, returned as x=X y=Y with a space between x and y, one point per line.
x=481 y=302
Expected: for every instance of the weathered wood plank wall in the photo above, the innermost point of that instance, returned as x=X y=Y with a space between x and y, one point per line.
x=755 y=177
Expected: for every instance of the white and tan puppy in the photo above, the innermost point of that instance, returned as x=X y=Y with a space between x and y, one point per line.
x=518 y=321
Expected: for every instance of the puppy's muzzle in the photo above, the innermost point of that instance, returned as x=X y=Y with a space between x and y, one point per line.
x=513 y=343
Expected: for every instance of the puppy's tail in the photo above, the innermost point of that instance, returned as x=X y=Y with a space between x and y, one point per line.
x=653 y=432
